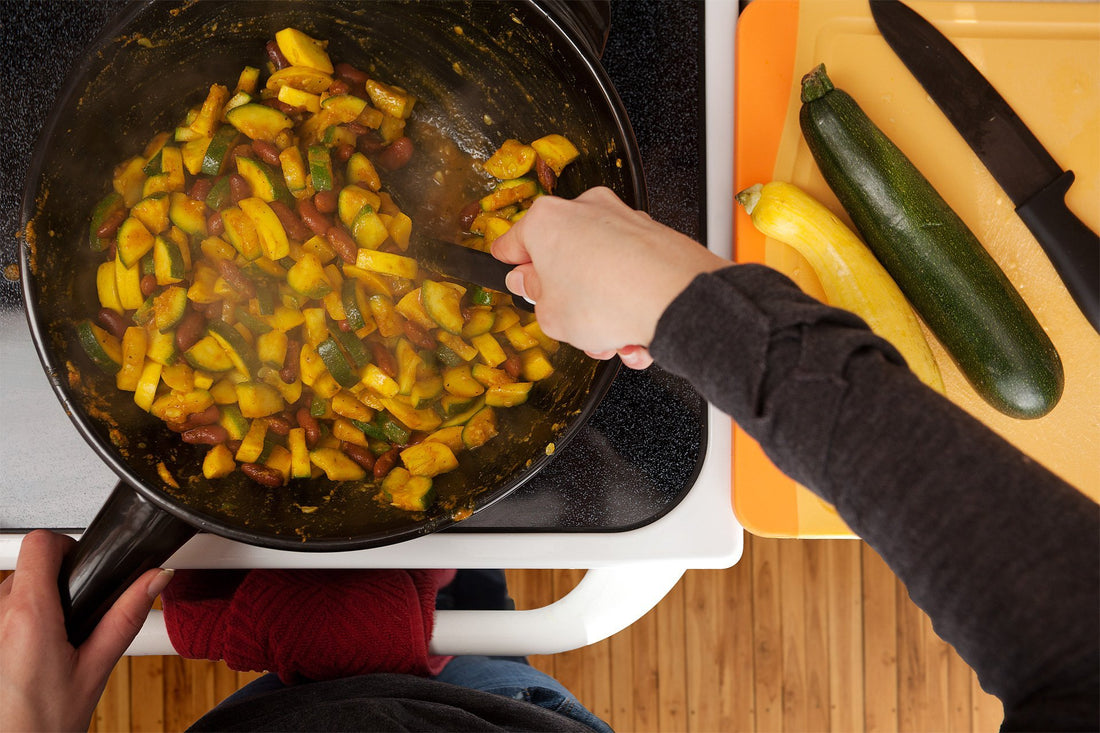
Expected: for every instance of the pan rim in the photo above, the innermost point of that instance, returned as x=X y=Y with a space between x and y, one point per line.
x=54 y=364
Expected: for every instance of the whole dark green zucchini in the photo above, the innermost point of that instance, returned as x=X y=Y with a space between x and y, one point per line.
x=938 y=263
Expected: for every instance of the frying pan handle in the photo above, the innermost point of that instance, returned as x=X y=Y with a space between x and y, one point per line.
x=128 y=536
x=588 y=21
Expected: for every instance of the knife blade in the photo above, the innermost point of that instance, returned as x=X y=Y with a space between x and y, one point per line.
x=464 y=263
x=1017 y=160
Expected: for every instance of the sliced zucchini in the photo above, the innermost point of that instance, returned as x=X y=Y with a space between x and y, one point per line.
x=405 y=491
x=307 y=277
x=239 y=351
x=103 y=348
x=358 y=353
x=368 y=229
x=259 y=121
x=351 y=200
x=257 y=399
x=480 y=428
x=110 y=206
x=492 y=353
x=336 y=464
x=320 y=167
x=556 y=150
x=107 y=287
x=266 y=184
x=188 y=214
x=415 y=419
x=457 y=414
x=386 y=263
x=152 y=211
x=508 y=395
x=458 y=380
x=217 y=152
x=272 y=234
x=443 y=304
x=337 y=363
x=360 y=171
x=429 y=458
x=134 y=240
x=508 y=193
x=207 y=354
x=302 y=50
x=169 y=306
x=511 y=160
x=221 y=194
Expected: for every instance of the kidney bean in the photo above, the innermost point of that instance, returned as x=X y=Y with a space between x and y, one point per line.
x=468 y=213
x=513 y=366
x=360 y=455
x=267 y=152
x=212 y=311
x=350 y=74
x=292 y=223
x=201 y=188
x=291 y=365
x=189 y=330
x=325 y=201
x=280 y=105
x=369 y=143
x=236 y=278
x=278 y=425
x=397 y=154
x=546 y=175
x=233 y=446
x=263 y=475
x=243 y=150
x=206 y=435
x=148 y=285
x=239 y=188
x=342 y=152
x=338 y=87
x=385 y=462
x=344 y=326
x=317 y=222
x=418 y=334
x=384 y=359
x=109 y=227
x=342 y=242
x=113 y=322
x=275 y=55
x=214 y=224
x=209 y=416
x=308 y=423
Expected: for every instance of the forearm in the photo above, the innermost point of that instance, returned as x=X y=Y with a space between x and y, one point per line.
x=1002 y=554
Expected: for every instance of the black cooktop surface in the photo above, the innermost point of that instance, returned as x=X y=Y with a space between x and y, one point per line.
x=641 y=451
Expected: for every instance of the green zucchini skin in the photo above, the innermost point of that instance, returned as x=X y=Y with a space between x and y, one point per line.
x=940 y=266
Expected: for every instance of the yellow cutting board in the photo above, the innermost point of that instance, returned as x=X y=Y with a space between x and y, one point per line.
x=1044 y=58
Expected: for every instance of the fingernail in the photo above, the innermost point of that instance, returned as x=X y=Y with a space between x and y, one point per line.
x=514 y=282
x=158 y=584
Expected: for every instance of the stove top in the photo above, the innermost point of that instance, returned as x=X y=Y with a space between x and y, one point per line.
x=634 y=461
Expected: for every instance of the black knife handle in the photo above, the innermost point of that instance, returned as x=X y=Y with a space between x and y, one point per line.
x=1072 y=247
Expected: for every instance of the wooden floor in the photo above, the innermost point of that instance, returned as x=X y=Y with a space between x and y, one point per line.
x=798 y=636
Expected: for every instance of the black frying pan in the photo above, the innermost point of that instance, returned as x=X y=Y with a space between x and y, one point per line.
x=482 y=72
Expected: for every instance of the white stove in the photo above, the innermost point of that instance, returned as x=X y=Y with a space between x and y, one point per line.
x=50 y=478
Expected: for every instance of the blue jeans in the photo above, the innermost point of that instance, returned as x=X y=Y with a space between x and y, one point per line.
x=519 y=681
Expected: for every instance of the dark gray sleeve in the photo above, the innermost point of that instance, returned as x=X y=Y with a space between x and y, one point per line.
x=1002 y=554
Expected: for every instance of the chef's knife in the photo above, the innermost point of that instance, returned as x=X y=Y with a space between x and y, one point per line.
x=464 y=263
x=1017 y=160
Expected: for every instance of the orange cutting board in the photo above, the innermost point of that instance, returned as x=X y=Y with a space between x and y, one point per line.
x=1044 y=58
